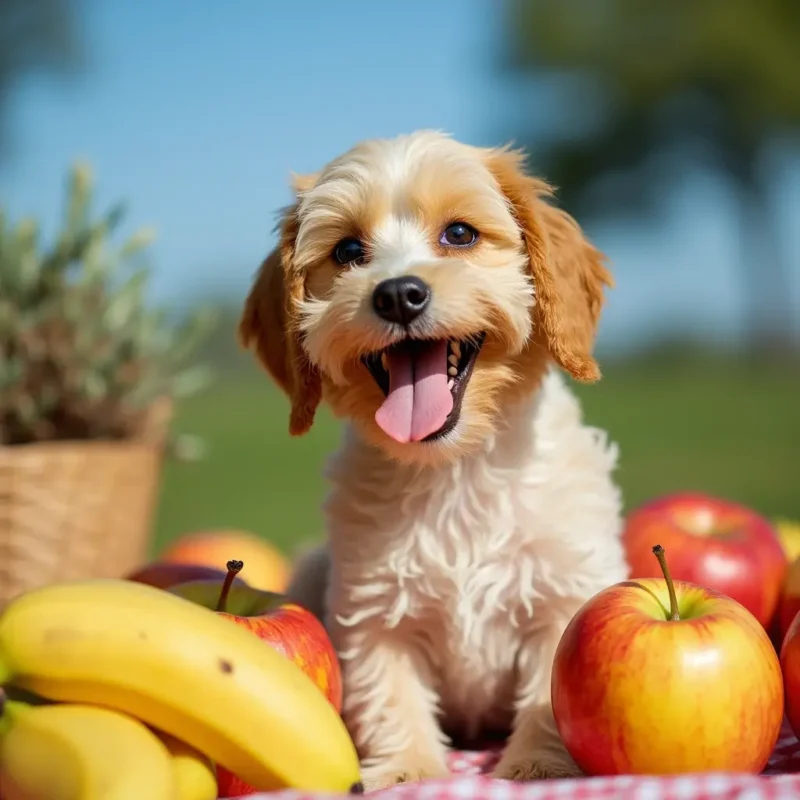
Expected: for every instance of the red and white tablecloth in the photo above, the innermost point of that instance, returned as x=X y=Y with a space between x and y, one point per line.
x=779 y=781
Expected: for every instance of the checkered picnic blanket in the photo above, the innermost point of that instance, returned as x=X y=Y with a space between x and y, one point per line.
x=779 y=781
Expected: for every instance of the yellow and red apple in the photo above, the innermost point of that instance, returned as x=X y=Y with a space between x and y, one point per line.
x=267 y=567
x=285 y=626
x=712 y=542
x=656 y=677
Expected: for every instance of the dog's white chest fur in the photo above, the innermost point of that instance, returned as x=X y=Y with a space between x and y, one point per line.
x=472 y=559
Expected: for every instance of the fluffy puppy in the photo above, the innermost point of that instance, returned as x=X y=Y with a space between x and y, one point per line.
x=431 y=295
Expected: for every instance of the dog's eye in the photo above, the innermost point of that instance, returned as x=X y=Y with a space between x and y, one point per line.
x=459 y=234
x=349 y=251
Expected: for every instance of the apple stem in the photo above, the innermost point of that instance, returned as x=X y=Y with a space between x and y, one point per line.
x=234 y=568
x=658 y=552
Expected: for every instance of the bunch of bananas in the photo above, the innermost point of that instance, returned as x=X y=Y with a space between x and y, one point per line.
x=142 y=692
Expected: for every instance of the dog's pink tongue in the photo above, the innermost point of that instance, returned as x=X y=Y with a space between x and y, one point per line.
x=394 y=416
x=418 y=401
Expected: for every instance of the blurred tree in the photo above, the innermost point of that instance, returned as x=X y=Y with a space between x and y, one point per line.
x=34 y=35
x=656 y=80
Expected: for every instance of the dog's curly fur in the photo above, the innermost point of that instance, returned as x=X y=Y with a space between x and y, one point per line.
x=451 y=566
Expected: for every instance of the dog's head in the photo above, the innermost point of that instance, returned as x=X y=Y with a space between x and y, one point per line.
x=420 y=284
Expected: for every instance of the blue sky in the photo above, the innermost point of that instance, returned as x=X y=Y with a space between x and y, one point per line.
x=196 y=112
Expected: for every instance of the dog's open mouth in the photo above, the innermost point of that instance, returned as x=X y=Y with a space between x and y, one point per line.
x=424 y=382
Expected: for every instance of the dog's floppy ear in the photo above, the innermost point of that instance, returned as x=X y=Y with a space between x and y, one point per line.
x=268 y=326
x=568 y=273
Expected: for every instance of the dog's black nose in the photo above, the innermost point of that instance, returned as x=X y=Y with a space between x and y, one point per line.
x=401 y=300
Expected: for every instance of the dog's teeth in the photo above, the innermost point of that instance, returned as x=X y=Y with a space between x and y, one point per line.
x=456 y=349
x=453 y=371
x=450 y=383
x=453 y=359
x=384 y=362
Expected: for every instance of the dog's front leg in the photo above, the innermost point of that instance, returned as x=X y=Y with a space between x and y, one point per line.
x=390 y=708
x=535 y=750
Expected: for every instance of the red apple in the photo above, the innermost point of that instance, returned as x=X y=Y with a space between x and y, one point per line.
x=789 y=603
x=790 y=665
x=712 y=542
x=652 y=677
x=267 y=567
x=162 y=574
x=289 y=628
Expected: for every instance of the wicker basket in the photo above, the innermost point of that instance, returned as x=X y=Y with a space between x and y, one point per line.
x=72 y=510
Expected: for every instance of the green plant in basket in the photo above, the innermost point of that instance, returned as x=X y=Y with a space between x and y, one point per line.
x=89 y=374
x=83 y=356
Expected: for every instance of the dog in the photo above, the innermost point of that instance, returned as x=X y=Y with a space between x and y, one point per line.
x=435 y=298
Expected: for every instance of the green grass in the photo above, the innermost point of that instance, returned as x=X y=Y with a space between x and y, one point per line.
x=705 y=424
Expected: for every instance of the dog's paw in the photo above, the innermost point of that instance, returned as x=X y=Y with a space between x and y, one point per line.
x=382 y=776
x=537 y=768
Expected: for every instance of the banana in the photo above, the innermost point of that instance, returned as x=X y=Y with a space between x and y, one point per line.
x=194 y=772
x=181 y=669
x=80 y=752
